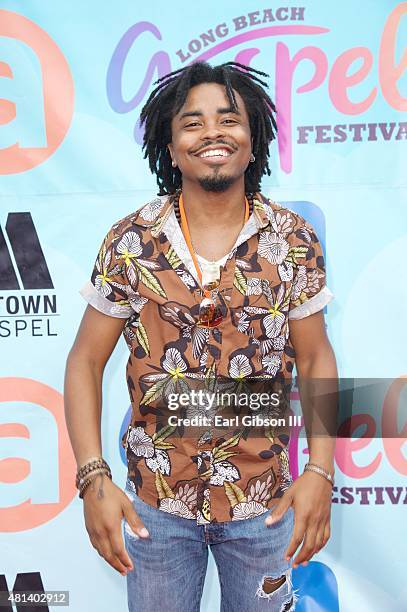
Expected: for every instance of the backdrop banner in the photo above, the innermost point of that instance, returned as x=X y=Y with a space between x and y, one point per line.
x=73 y=79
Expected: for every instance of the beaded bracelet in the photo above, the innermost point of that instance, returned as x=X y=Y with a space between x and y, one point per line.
x=97 y=460
x=88 y=482
x=82 y=491
x=90 y=460
x=89 y=467
x=95 y=470
x=90 y=479
x=311 y=467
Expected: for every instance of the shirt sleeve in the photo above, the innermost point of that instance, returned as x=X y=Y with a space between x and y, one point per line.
x=309 y=291
x=108 y=288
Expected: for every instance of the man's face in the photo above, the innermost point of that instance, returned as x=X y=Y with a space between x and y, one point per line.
x=211 y=144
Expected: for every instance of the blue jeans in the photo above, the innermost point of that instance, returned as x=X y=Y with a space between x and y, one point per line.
x=170 y=566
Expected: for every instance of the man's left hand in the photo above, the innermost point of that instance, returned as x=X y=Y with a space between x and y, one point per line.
x=310 y=495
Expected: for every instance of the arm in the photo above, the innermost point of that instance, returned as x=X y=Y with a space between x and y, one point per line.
x=96 y=338
x=311 y=494
x=317 y=372
x=104 y=502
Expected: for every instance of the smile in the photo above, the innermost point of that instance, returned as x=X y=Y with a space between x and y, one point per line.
x=215 y=153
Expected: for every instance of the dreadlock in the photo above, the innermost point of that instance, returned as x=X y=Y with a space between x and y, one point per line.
x=166 y=100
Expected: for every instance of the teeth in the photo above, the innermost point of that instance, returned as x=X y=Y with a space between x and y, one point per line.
x=221 y=152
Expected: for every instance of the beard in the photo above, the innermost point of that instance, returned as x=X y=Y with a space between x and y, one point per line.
x=217 y=182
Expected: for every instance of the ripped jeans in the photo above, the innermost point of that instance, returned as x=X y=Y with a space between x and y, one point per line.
x=170 y=566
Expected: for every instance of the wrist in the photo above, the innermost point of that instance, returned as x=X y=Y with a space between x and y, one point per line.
x=81 y=464
x=326 y=464
x=87 y=472
x=95 y=487
x=321 y=471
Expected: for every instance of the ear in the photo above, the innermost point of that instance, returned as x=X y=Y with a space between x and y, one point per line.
x=171 y=150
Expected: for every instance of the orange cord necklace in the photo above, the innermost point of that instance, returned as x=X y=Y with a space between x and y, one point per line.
x=187 y=236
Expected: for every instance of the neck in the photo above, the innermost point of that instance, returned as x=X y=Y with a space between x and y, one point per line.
x=209 y=209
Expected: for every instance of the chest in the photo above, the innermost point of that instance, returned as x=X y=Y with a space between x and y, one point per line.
x=216 y=243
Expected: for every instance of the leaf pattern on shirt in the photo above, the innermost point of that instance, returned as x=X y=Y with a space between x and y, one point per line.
x=153 y=449
x=142 y=273
x=253 y=500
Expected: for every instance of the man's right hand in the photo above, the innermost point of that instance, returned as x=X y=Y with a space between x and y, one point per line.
x=103 y=517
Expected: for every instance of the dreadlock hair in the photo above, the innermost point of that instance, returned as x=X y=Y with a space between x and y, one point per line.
x=167 y=99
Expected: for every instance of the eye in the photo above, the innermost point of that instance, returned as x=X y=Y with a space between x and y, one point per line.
x=192 y=124
x=232 y=120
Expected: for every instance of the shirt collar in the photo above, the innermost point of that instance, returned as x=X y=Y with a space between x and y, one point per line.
x=262 y=210
x=155 y=213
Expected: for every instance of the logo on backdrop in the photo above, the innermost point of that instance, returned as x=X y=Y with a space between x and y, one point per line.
x=23 y=269
x=281 y=24
x=24 y=581
x=36 y=104
x=37 y=465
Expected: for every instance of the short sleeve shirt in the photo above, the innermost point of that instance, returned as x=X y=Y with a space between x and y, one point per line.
x=144 y=274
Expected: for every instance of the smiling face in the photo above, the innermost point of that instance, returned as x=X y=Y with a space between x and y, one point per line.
x=211 y=144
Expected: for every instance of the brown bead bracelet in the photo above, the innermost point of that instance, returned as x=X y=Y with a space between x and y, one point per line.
x=88 y=468
x=90 y=479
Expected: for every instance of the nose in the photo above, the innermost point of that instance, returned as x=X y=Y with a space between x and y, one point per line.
x=212 y=131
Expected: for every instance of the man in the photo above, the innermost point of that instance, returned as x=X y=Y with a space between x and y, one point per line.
x=214 y=287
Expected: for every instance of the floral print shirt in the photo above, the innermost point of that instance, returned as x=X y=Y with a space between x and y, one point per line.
x=144 y=274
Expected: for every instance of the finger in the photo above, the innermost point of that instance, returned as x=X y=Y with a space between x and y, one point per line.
x=296 y=538
x=95 y=543
x=308 y=547
x=327 y=533
x=105 y=549
x=119 y=550
x=319 y=539
x=134 y=521
x=278 y=511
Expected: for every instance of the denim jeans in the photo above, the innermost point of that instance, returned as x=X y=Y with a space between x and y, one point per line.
x=170 y=566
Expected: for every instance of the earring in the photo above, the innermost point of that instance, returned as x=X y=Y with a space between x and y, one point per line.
x=252 y=158
x=174 y=164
